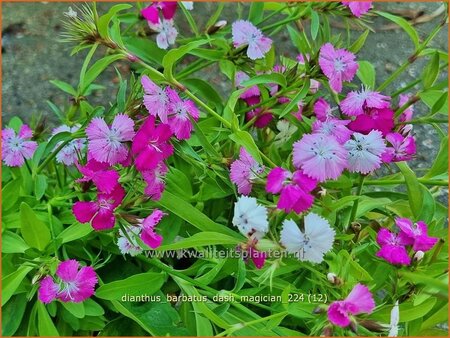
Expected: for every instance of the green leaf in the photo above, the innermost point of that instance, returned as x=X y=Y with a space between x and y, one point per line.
x=201 y=239
x=11 y=282
x=428 y=207
x=192 y=215
x=405 y=25
x=205 y=91
x=141 y=284
x=144 y=49
x=431 y=97
x=431 y=71
x=77 y=309
x=415 y=195
x=297 y=98
x=440 y=164
x=277 y=78
x=12 y=314
x=439 y=104
x=228 y=68
x=439 y=316
x=13 y=243
x=97 y=68
x=92 y=308
x=104 y=20
x=315 y=24
x=74 y=232
x=64 y=86
x=35 y=233
x=359 y=43
x=60 y=137
x=366 y=73
x=243 y=138
x=408 y=311
x=11 y=193
x=256 y=12
x=175 y=55
x=45 y=324
x=40 y=185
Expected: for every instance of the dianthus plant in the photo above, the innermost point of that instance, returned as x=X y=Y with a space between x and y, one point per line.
x=250 y=175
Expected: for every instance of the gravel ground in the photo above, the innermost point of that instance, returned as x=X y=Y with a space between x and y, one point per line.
x=32 y=56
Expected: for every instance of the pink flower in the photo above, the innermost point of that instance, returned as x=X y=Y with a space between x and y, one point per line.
x=323 y=110
x=338 y=65
x=106 y=144
x=402 y=148
x=69 y=154
x=320 y=156
x=151 y=13
x=17 y=148
x=299 y=113
x=359 y=300
x=151 y=144
x=364 y=152
x=148 y=234
x=373 y=119
x=416 y=234
x=181 y=112
x=263 y=118
x=155 y=181
x=98 y=172
x=156 y=99
x=356 y=102
x=301 y=59
x=333 y=127
x=73 y=284
x=167 y=33
x=295 y=189
x=258 y=257
x=245 y=33
x=408 y=112
x=244 y=170
x=358 y=8
x=393 y=247
x=251 y=92
x=101 y=212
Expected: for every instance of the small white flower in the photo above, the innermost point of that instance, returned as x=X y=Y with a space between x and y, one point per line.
x=125 y=246
x=418 y=256
x=313 y=243
x=167 y=33
x=250 y=217
x=70 y=13
x=286 y=131
x=189 y=5
x=395 y=318
x=365 y=152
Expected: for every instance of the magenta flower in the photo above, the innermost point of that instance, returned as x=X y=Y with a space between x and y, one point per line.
x=245 y=33
x=69 y=154
x=100 y=213
x=393 y=248
x=408 y=113
x=374 y=119
x=402 y=148
x=356 y=102
x=73 y=284
x=167 y=33
x=251 y=92
x=333 y=127
x=181 y=112
x=151 y=13
x=358 y=8
x=105 y=179
x=107 y=144
x=359 y=300
x=151 y=144
x=364 y=152
x=155 y=181
x=148 y=234
x=323 y=110
x=156 y=99
x=258 y=257
x=416 y=234
x=244 y=170
x=338 y=65
x=263 y=118
x=17 y=148
x=295 y=189
x=301 y=59
x=320 y=156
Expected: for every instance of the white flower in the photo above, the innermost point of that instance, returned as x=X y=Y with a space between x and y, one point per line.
x=125 y=246
x=167 y=33
x=286 y=131
x=70 y=13
x=418 y=256
x=313 y=243
x=250 y=217
x=189 y=5
x=365 y=152
x=395 y=318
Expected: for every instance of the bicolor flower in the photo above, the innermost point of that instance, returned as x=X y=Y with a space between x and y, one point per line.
x=128 y=244
x=17 y=148
x=320 y=156
x=356 y=102
x=148 y=234
x=107 y=144
x=69 y=153
x=151 y=144
x=167 y=8
x=244 y=171
x=338 y=65
x=156 y=99
x=100 y=213
x=245 y=33
x=155 y=181
x=294 y=189
x=105 y=179
x=73 y=284
x=181 y=112
x=365 y=151
x=312 y=243
x=402 y=148
x=359 y=300
x=358 y=8
x=333 y=127
x=416 y=234
x=250 y=217
x=392 y=247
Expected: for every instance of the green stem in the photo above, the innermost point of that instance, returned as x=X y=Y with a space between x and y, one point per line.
x=424 y=121
x=358 y=193
x=52 y=230
x=52 y=155
x=396 y=182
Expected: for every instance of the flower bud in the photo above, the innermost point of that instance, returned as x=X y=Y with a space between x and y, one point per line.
x=356 y=227
x=327 y=331
x=418 y=256
x=372 y=325
x=353 y=326
x=217 y=26
x=334 y=279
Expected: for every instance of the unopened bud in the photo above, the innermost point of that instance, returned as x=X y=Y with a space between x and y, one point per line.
x=318 y=310
x=372 y=325
x=132 y=58
x=353 y=326
x=217 y=26
x=334 y=279
x=418 y=256
x=327 y=331
x=356 y=227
